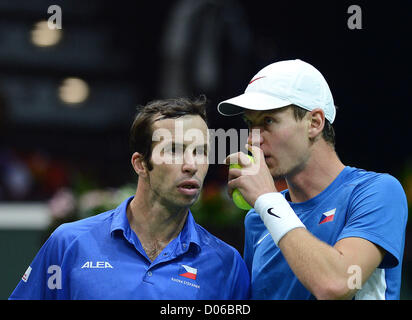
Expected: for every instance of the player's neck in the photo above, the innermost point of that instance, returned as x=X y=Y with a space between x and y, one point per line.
x=318 y=173
x=154 y=223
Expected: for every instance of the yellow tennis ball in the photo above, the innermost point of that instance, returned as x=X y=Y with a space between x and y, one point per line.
x=237 y=197
x=239 y=201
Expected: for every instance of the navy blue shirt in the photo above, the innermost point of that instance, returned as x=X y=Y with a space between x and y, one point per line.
x=101 y=257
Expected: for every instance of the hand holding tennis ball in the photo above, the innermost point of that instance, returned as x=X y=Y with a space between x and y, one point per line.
x=237 y=197
x=253 y=178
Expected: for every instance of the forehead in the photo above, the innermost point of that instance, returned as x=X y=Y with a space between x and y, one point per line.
x=183 y=127
x=186 y=122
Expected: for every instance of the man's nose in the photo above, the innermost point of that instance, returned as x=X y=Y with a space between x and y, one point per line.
x=189 y=163
x=254 y=138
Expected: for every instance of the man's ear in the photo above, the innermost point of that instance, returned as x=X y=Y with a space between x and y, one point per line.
x=139 y=165
x=317 y=123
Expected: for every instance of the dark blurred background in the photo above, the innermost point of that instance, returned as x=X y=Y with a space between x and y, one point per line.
x=68 y=97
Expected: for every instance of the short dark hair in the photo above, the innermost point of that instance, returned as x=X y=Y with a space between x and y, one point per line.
x=141 y=130
x=328 y=132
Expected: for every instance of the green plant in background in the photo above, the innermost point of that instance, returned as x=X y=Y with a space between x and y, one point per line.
x=215 y=208
x=97 y=201
x=68 y=205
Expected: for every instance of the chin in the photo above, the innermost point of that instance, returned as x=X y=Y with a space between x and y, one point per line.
x=187 y=202
x=277 y=173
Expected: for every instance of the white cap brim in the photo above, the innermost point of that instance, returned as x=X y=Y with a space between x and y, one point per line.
x=251 y=101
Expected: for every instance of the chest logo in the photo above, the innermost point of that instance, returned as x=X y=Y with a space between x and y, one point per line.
x=96 y=265
x=327 y=216
x=188 y=272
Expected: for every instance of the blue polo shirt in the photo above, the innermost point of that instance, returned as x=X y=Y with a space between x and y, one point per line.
x=357 y=203
x=101 y=257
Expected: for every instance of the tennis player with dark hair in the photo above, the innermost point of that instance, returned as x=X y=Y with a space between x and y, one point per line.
x=337 y=232
x=149 y=247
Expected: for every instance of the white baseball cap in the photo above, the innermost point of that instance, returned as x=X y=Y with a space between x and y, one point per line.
x=281 y=84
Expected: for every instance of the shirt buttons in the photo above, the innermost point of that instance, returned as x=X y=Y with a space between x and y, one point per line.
x=184 y=245
x=149 y=273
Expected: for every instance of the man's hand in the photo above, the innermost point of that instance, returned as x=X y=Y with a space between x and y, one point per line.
x=254 y=179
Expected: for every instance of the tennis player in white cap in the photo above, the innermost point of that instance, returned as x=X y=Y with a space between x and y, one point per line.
x=337 y=232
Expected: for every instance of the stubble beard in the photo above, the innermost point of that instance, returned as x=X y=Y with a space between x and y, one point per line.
x=280 y=173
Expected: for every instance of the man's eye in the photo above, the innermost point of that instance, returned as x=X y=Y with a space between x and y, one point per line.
x=248 y=123
x=170 y=149
x=268 y=120
x=201 y=151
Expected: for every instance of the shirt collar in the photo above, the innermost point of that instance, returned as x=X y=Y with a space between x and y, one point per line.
x=188 y=235
x=120 y=221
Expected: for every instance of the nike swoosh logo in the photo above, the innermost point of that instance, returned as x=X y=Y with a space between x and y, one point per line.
x=260 y=240
x=272 y=214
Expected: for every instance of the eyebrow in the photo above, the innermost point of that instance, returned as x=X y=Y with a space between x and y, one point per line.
x=246 y=119
x=184 y=145
x=264 y=113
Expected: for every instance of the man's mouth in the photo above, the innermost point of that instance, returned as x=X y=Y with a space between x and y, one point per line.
x=190 y=184
x=189 y=187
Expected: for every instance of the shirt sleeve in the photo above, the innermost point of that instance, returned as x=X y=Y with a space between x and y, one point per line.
x=43 y=278
x=378 y=212
x=248 y=250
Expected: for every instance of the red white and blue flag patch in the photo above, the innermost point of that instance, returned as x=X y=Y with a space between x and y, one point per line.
x=327 y=216
x=188 y=272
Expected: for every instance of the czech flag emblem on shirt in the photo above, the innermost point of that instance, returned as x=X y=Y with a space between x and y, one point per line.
x=188 y=272
x=327 y=216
